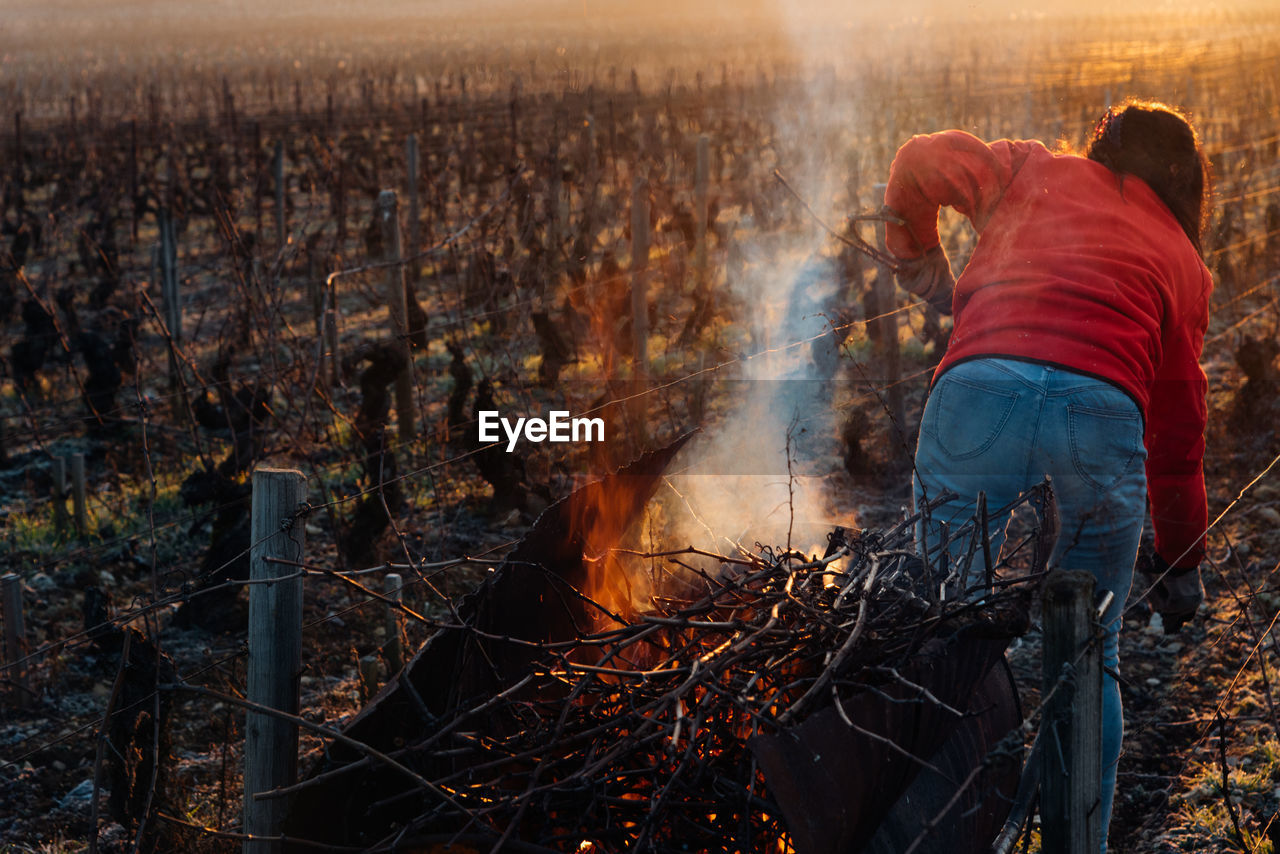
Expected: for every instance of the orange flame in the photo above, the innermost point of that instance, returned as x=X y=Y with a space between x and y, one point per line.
x=600 y=521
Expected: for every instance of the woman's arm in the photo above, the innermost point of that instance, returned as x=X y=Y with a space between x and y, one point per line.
x=1176 y=420
x=950 y=168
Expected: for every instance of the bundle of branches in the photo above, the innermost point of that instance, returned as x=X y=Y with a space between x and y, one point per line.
x=670 y=728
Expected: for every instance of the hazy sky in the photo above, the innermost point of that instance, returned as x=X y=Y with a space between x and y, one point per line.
x=79 y=13
x=29 y=28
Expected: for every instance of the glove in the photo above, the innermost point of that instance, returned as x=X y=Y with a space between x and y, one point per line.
x=1175 y=593
x=929 y=277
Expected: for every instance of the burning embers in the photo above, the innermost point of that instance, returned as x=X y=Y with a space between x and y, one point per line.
x=562 y=717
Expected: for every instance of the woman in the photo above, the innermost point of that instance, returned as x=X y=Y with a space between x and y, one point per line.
x=1079 y=322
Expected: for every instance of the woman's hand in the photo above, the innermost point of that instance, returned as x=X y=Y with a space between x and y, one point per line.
x=929 y=277
x=1176 y=594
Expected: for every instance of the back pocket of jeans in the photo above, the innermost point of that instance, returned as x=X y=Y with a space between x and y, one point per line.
x=968 y=416
x=1103 y=443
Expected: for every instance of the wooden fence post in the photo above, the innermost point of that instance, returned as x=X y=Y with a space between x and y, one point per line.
x=339 y=193
x=513 y=116
x=331 y=330
x=555 y=230
x=890 y=347
x=701 y=179
x=275 y=648
x=394 y=647
x=1071 y=768
x=639 y=308
x=169 y=276
x=259 y=180
x=412 y=161
x=153 y=121
x=79 y=495
x=590 y=143
x=228 y=106
x=59 y=494
x=15 y=637
x=388 y=216
x=18 y=155
x=277 y=170
x=613 y=140
x=169 y=302
x=135 y=203
x=639 y=267
x=589 y=185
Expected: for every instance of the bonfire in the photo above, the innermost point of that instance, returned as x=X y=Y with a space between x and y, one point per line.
x=763 y=700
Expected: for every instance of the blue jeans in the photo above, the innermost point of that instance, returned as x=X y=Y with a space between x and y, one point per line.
x=999 y=426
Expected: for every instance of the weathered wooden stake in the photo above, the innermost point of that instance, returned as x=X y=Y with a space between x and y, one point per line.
x=389 y=217
x=169 y=276
x=153 y=112
x=259 y=179
x=589 y=145
x=59 y=494
x=169 y=302
x=18 y=154
x=228 y=106
x=613 y=140
x=15 y=637
x=170 y=177
x=639 y=309
x=331 y=332
x=1071 y=772
x=277 y=170
x=394 y=647
x=639 y=278
x=412 y=161
x=135 y=201
x=701 y=180
x=339 y=191
x=890 y=346
x=79 y=494
x=275 y=648
x=555 y=244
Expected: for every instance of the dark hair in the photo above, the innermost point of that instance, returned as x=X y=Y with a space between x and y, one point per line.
x=1157 y=143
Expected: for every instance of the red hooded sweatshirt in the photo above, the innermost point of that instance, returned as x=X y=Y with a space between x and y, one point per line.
x=1081 y=268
